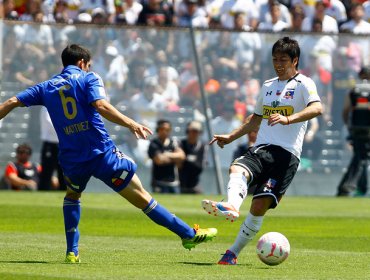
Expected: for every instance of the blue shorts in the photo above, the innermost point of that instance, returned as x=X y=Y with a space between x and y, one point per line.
x=112 y=167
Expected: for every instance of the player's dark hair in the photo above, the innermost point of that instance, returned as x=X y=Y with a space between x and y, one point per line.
x=161 y=122
x=73 y=53
x=287 y=46
x=24 y=148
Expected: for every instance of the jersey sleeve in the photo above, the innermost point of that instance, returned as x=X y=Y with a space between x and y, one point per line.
x=95 y=87
x=309 y=92
x=10 y=169
x=32 y=95
x=258 y=110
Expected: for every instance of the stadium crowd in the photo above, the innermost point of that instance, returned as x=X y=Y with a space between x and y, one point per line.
x=268 y=15
x=149 y=72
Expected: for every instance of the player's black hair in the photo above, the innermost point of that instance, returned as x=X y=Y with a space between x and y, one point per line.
x=161 y=122
x=73 y=53
x=287 y=46
x=24 y=148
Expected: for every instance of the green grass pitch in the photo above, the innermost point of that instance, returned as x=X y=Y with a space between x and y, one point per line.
x=329 y=237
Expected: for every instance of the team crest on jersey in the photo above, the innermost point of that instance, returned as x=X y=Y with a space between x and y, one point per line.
x=289 y=94
x=275 y=103
x=270 y=184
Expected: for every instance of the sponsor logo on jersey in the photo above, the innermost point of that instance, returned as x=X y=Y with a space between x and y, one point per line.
x=270 y=184
x=289 y=94
x=282 y=110
x=275 y=103
x=268 y=93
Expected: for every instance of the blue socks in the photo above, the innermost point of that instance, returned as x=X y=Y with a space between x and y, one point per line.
x=72 y=212
x=161 y=216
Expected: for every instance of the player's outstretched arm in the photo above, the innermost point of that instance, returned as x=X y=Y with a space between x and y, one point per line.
x=108 y=111
x=313 y=110
x=252 y=123
x=9 y=105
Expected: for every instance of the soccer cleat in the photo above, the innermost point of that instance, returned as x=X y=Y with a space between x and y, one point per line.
x=72 y=258
x=229 y=258
x=201 y=235
x=221 y=209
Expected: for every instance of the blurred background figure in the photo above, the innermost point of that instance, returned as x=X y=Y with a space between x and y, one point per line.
x=357 y=24
x=243 y=147
x=156 y=13
x=195 y=149
x=167 y=156
x=49 y=156
x=22 y=174
x=356 y=115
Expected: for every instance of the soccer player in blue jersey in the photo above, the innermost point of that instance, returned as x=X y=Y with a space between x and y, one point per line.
x=76 y=100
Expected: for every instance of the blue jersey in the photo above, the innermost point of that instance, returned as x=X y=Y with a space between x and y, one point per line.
x=68 y=97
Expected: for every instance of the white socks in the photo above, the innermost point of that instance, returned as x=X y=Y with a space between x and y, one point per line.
x=237 y=190
x=248 y=230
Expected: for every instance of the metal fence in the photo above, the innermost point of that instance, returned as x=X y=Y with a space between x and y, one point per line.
x=151 y=73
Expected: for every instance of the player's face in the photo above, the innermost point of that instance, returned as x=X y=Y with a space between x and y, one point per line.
x=284 y=67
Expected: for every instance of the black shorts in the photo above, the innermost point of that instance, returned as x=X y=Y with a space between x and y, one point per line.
x=272 y=169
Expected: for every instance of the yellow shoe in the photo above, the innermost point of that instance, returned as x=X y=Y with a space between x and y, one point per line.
x=201 y=235
x=72 y=258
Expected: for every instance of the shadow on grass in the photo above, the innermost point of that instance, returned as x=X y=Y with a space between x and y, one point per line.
x=23 y=262
x=211 y=264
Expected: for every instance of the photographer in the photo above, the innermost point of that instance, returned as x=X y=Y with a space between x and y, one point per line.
x=356 y=114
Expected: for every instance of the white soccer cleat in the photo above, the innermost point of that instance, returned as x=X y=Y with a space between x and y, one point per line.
x=220 y=209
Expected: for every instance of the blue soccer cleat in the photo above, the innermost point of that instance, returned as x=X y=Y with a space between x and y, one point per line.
x=229 y=258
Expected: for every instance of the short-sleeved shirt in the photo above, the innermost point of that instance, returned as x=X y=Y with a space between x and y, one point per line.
x=68 y=97
x=165 y=173
x=285 y=97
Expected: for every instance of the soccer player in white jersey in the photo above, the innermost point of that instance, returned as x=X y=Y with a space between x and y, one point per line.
x=284 y=106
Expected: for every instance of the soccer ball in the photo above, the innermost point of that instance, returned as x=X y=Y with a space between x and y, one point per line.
x=273 y=248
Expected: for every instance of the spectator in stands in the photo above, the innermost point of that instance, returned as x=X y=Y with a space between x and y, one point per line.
x=167 y=156
x=308 y=6
x=190 y=14
x=99 y=16
x=336 y=10
x=49 y=155
x=168 y=89
x=38 y=36
x=128 y=11
x=297 y=19
x=149 y=98
x=249 y=87
x=195 y=150
x=60 y=12
x=329 y=24
x=220 y=125
x=9 y=11
x=240 y=22
x=265 y=14
x=229 y=8
x=357 y=24
x=33 y=7
x=275 y=24
x=156 y=13
x=107 y=6
x=22 y=174
x=248 y=49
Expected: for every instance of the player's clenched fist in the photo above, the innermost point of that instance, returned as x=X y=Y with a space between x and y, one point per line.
x=221 y=140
